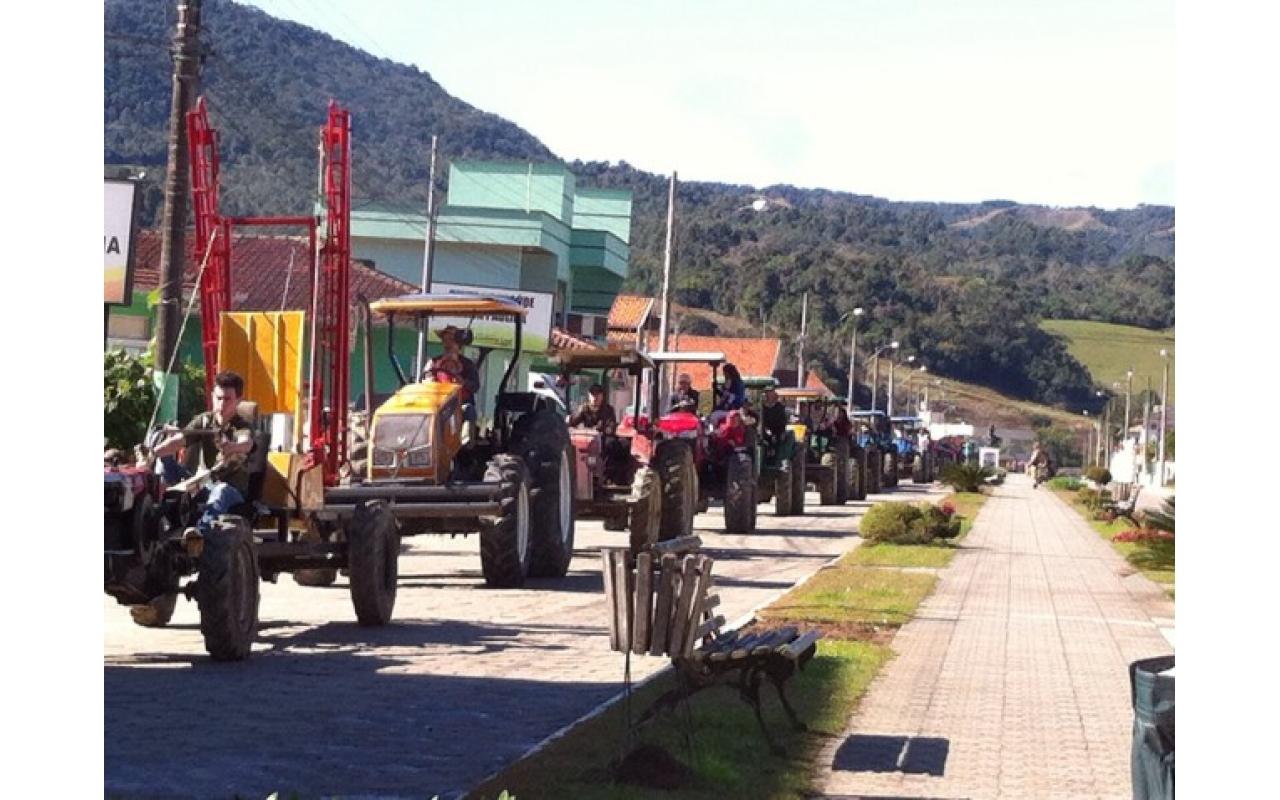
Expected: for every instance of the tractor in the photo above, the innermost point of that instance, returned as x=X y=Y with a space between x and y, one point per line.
x=619 y=474
x=876 y=439
x=826 y=455
x=911 y=458
x=720 y=451
x=781 y=475
x=314 y=507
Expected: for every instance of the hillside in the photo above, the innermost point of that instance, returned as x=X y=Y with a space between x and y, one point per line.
x=962 y=284
x=1108 y=351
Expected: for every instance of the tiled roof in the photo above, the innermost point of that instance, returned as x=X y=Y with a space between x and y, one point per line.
x=752 y=357
x=563 y=340
x=261 y=276
x=629 y=311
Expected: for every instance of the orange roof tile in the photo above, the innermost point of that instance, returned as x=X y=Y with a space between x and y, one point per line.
x=261 y=276
x=752 y=357
x=563 y=340
x=629 y=311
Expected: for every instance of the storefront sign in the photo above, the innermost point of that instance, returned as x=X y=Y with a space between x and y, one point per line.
x=118 y=203
x=500 y=334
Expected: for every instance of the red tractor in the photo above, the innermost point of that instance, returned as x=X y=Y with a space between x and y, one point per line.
x=721 y=451
x=634 y=478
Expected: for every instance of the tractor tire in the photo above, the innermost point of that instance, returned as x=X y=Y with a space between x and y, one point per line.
x=157 y=613
x=504 y=539
x=645 y=515
x=828 y=483
x=799 y=479
x=918 y=473
x=678 y=478
x=784 y=494
x=542 y=441
x=373 y=554
x=841 y=450
x=314 y=577
x=227 y=590
x=739 y=494
x=615 y=522
x=875 y=470
x=890 y=466
x=858 y=475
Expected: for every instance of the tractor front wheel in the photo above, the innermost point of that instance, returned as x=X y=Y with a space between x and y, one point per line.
x=504 y=538
x=227 y=590
x=645 y=510
x=679 y=480
x=373 y=553
x=740 y=494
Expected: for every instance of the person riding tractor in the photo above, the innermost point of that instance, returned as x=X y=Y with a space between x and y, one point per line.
x=827 y=455
x=780 y=456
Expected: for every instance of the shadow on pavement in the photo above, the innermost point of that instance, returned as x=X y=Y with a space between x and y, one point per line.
x=917 y=755
x=347 y=722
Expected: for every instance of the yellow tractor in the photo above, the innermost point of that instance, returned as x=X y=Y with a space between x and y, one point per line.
x=440 y=471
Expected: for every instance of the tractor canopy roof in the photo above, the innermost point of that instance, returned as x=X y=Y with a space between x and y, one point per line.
x=457 y=305
x=629 y=359
x=690 y=357
x=759 y=382
x=800 y=394
x=910 y=422
x=869 y=414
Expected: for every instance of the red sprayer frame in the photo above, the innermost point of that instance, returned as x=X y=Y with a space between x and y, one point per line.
x=328 y=382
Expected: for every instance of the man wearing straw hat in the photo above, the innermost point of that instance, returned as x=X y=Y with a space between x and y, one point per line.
x=452 y=366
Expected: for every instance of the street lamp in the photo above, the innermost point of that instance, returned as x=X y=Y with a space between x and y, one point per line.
x=1164 y=404
x=891 y=364
x=1128 y=390
x=875 y=380
x=853 y=356
x=1088 y=437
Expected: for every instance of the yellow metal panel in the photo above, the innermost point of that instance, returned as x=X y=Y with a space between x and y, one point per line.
x=265 y=348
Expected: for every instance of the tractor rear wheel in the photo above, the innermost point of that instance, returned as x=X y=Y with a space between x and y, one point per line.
x=504 y=538
x=891 y=470
x=679 y=481
x=799 y=478
x=875 y=470
x=739 y=494
x=858 y=476
x=227 y=590
x=828 y=485
x=373 y=553
x=645 y=510
x=542 y=440
x=157 y=613
x=841 y=450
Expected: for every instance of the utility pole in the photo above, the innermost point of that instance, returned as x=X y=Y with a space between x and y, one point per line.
x=428 y=254
x=1128 y=392
x=186 y=84
x=875 y=379
x=853 y=361
x=666 y=270
x=889 y=403
x=1146 y=429
x=1164 y=405
x=804 y=324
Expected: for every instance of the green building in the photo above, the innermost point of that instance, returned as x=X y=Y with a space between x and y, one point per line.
x=511 y=228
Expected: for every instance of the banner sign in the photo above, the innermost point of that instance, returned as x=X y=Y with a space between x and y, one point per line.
x=118 y=227
x=500 y=334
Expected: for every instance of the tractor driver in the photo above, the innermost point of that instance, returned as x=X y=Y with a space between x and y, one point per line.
x=452 y=366
x=595 y=413
x=223 y=450
x=773 y=417
x=685 y=396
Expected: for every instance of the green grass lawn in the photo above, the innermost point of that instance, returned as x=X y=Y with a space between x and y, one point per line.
x=1107 y=530
x=1108 y=351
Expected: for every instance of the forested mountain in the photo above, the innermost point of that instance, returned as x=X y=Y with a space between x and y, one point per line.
x=962 y=285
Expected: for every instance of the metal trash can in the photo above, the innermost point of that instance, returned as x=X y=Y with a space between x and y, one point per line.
x=1151 y=762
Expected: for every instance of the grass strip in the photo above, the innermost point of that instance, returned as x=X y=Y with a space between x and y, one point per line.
x=1108 y=531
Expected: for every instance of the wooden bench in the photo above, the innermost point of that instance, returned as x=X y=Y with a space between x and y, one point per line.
x=1124 y=500
x=663 y=604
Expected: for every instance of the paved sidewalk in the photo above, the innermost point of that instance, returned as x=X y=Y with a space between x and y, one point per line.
x=1013 y=679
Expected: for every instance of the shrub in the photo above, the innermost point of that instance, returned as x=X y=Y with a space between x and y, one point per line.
x=899 y=523
x=1066 y=483
x=938 y=524
x=965 y=477
x=1099 y=475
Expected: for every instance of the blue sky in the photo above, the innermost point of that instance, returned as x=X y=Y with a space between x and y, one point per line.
x=1062 y=103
